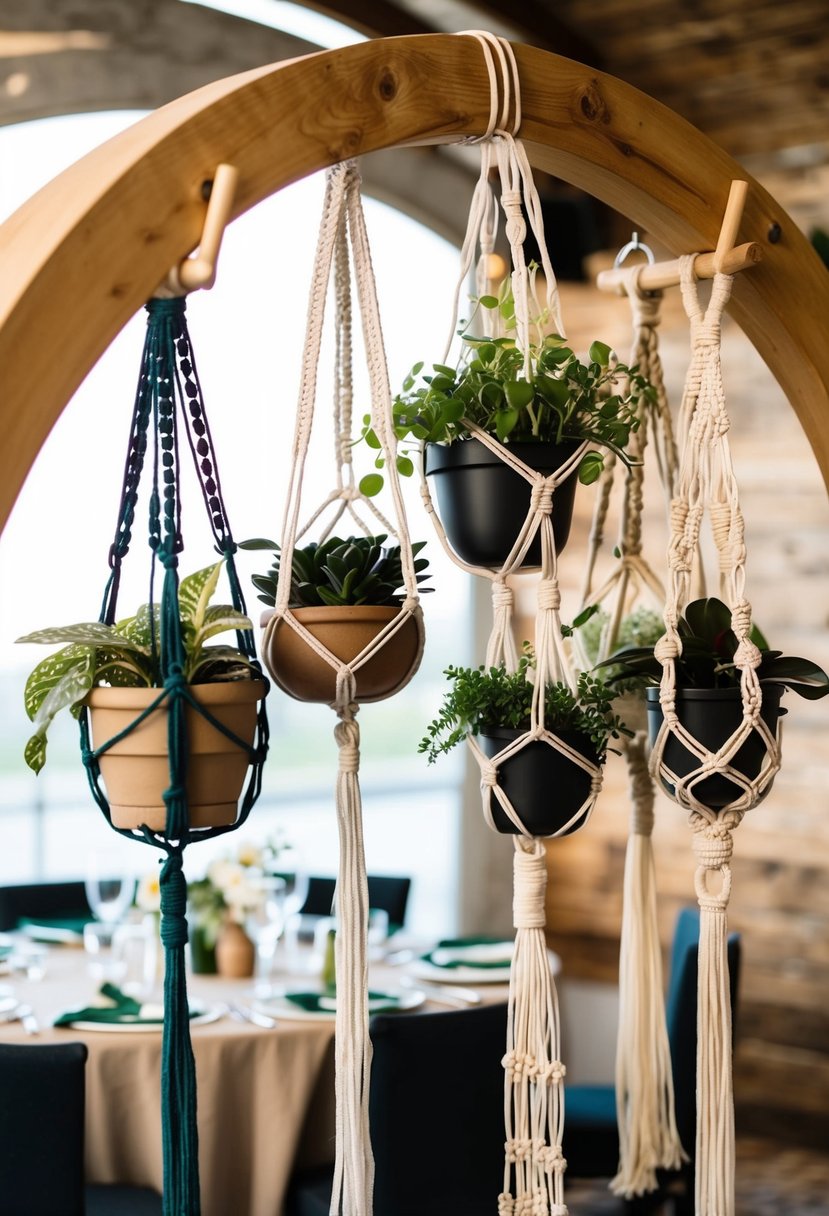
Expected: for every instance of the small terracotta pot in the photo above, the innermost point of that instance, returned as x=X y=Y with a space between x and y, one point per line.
x=346 y=632
x=235 y=952
x=136 y=770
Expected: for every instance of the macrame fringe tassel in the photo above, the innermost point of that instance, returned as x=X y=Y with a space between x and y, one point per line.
x=648 y=1137
x=533 y=1072
x=352 y=1193
x=715 y=1161
x=178 y=1068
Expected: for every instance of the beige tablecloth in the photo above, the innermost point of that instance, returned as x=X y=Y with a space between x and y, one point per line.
x=265 y=1097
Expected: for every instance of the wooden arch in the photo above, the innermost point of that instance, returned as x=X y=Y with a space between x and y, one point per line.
x=82 y=256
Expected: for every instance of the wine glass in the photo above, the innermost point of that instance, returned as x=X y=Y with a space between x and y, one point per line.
x=109 y=887
x=289 y=866
x=265 y=924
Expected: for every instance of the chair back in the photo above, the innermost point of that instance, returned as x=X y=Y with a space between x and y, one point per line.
x=437 y=1111
x=42 y=1129
x=391 y=894
x=48 y=900
x=681 y=1016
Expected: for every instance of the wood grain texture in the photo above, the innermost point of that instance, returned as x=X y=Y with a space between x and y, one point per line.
x=82 y=256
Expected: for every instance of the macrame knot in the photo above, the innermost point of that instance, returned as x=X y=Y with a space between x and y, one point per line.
x=541 y=498
x=173 y=902
x=747 y=655
x=553 y=1072
x=518 y=1150
x=666 y=648
x=520 y=1066
x=502 y=596
x=347 y=735
x=549 y=595
x=175 y=682
x=706 y=332
x=506 y=1205
x=529 y=876
x=645 y=309
x=713 y=846
x=489 y=776
x=552 y=1159
x=539 y=1207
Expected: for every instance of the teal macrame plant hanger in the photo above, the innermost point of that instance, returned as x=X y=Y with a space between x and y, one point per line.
x=169 y=408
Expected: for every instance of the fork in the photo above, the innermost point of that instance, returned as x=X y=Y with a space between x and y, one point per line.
x=243 y=1014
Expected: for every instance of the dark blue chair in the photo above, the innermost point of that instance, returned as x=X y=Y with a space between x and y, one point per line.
x=591 y=1140
x=43 y=900
x=436 y=1112
x=42 y=1139
x=391 y=894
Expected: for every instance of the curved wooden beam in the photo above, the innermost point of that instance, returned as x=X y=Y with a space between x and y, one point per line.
x=82 y=256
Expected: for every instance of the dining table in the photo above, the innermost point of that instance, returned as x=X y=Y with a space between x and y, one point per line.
x=265 y=1086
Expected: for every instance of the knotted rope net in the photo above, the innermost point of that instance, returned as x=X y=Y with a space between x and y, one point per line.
x=534 y=1074
x=707 y=482
x=343 y=227
x=648 y=1137
x=169 y=413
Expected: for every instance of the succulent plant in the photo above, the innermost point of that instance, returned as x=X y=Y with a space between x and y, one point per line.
x=357 y=570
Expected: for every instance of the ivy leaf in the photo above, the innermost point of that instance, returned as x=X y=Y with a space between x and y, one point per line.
x=371 y=484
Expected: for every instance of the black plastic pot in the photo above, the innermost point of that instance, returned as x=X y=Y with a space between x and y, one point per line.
x=545 y=787
x=712 y=715
x=482 y=502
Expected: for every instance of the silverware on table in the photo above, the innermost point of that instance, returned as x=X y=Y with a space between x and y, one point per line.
x=242 y=1013
x=444 y=994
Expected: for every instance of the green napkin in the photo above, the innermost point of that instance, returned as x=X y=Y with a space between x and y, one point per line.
x=54 y=929
x=324 y=1002
x=120 y=1008
x=463 y=943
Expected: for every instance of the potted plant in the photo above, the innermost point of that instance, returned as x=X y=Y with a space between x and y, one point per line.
x=344 y=592
x=542 y=415
x=641 y=627
x=708 y=696
x=545 y=787
x=115 y=670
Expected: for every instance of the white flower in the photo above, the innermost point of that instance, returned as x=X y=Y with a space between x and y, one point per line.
x=148 y=893
x=250 y=856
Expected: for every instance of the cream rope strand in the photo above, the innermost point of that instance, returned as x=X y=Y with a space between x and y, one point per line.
x=706 y=479
x=648 y=1138
x=343 y=222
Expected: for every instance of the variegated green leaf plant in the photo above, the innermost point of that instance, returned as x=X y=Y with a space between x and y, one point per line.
x=127 y=655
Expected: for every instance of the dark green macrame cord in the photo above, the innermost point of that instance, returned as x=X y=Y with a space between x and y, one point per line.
x=168 y=402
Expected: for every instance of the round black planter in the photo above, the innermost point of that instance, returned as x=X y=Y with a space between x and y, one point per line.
x=544 y=786
x=482 y=502
x=712 y=715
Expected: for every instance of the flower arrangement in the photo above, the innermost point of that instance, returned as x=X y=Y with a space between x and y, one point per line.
x=231 y=889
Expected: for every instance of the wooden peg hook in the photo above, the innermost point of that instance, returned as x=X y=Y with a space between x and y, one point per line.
x=199 y=270
x=730 y=223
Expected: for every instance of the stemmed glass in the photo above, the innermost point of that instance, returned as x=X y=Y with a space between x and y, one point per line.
x=109 y=890
x=289 y=866
x=265 y=924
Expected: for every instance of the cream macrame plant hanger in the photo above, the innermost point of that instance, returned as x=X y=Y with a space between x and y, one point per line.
x=343 y=224
x=648 y=1137
x=707 y=482
x=534 y=1074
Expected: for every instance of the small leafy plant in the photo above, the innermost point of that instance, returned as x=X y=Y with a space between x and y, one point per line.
x=561 y=398
x=128 y=655
x=357 y=570
x=641 y=628
x=481 y=700
x=707 y=660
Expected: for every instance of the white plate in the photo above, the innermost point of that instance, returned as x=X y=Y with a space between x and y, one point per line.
x=423 y=970
x=198 y=1019
x=281 y=1007
x=8 y=1004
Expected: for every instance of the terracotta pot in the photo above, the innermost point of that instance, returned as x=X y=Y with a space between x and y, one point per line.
x=235 y=952
x=346 y=632
x=136 y=770
x=545 y=787
x=483 y=503
x=711 y=716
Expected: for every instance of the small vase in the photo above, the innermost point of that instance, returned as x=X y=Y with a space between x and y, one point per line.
x=202 y=953
x=235 y=952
